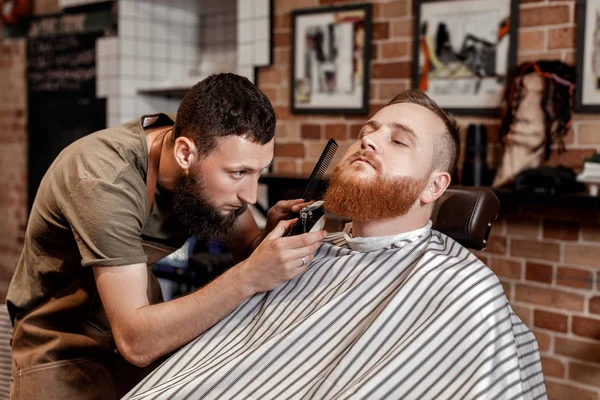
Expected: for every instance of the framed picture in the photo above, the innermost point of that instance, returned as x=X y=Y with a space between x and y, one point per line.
x=464 y=51
x=331 y=52
x=587 y=89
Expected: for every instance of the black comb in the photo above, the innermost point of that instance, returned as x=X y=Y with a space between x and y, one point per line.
x=319 y=171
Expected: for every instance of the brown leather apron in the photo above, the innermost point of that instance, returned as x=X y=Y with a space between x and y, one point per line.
x=64 y=348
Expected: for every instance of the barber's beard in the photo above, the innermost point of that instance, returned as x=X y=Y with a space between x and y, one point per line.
x=373 y=198
x=193 y=209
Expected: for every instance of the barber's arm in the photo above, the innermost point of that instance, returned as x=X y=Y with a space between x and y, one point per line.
x=143 y=332
x=247 y=235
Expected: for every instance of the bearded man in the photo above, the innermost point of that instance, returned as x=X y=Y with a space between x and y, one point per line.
x=389 y=308
x=87 y=312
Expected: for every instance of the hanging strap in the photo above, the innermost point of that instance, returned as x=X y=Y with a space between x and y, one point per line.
x=153 y=166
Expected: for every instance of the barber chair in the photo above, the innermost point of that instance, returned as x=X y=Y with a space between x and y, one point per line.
x=466 y=214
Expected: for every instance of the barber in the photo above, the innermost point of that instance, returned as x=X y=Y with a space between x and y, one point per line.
x=87 y=312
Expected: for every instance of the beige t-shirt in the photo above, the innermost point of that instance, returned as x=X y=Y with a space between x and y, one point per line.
x=91 y=209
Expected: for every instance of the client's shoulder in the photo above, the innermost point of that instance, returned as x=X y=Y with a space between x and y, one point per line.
x=447 y=260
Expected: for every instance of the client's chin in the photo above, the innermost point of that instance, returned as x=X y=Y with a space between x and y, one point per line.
x=370 y=198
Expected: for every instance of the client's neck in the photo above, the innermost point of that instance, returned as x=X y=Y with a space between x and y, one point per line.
x=412 y=220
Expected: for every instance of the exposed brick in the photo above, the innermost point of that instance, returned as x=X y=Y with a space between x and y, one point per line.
x=284 y=6
x=329 y=2
x=392 y=70
x=269 y=76
x=552 y=367
x=572 y=158
x=582 y=255
x=288 y=130
x=282 y=21
x=282 y=57
x=587 y=374
x=585 y=351
x=590 y=232
x=523 y=227
x=271 y=93
x=539 y=56
x=380 y=30
x=534 y=249
x=524 y=313
x=549 y=297
x=285 y=167
x=374 y=51
x=395 y=49
x=507 y=287
x=561 y=391
x=393 y=9
x=307 y=167
x=561 y=38
x=594 y=305
x=310 y=131
x=543 y=340
x=548 y=15
x=506 y=268
x=336 y=131
x=496 y=244
x=281 y=39
x=550 y=320
x=538 y=272
x=561 y=230
x=355 y=130
x=492 y=133
x=532 y=40
x=289 y=150
x=586 y=327
x=402 y=28
x=389 y=90
x=588 y=134
x=574 y=277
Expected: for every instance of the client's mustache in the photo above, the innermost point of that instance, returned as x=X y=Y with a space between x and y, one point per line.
x=368 y=155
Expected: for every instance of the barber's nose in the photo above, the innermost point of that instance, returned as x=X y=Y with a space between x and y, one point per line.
x=249 y=194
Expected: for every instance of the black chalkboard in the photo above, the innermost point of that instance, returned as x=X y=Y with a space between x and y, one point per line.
x=62 y=103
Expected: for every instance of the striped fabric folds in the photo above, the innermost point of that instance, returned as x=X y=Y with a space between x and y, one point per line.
x=421 y=319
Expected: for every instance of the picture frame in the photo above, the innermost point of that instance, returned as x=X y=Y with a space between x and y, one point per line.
x=464 y=64
x=330 y=60
x=587 y=85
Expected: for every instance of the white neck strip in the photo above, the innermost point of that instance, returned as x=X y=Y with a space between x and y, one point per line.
x=366 y=244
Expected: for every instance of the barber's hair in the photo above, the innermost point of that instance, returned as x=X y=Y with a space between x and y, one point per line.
x=223 y=105
x=447 y=150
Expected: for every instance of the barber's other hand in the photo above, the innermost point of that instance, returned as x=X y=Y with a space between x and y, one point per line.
x=278 y=259
x=282 y=210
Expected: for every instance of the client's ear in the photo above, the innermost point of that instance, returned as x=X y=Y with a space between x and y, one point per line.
x=185 y=152
x=438 y=183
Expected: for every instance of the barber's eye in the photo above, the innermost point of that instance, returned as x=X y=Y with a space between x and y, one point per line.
x=238 y=174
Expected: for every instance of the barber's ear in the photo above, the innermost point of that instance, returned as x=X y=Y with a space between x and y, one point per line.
x=438 y=183
x=185 y=152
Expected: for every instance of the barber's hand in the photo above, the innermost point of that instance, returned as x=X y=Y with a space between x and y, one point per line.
x=278 y=259
x=282 y=210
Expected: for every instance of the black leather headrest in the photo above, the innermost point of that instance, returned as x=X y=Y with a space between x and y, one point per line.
x=466 y=215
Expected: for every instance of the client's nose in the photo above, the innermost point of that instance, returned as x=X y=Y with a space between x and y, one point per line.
x=367 y=143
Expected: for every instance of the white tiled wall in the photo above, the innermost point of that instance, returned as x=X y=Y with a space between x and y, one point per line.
x=175 y=43
x=253 y=35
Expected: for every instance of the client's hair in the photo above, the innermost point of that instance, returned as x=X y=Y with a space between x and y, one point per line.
x=223 y=105
x=447 y=150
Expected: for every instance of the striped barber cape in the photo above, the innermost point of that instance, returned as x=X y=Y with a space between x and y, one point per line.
x=422 y=318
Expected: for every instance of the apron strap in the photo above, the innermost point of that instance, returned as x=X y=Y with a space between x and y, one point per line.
x=153 y=164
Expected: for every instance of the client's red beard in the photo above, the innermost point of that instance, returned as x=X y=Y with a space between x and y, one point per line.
x=371 y=198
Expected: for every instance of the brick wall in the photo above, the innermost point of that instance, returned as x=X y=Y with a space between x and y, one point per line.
x=13 y=156
x=547 y=258
x=13 y=147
